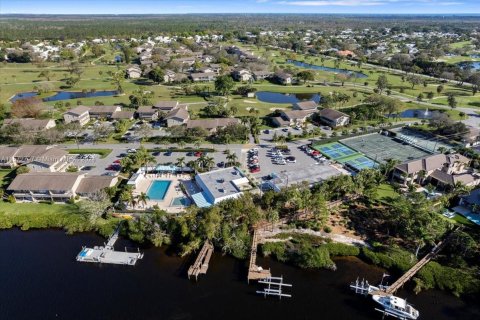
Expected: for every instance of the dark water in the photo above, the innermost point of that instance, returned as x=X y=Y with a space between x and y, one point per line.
x=65 y=95
x=328 y=69
x=277 y=97
x=474 y=65
x=40 y=279
x=417 y=113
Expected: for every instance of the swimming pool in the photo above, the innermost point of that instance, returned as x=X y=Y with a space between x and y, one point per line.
x=158 y=189
x=180 y=202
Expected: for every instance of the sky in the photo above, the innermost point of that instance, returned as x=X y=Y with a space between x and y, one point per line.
x=239 y=6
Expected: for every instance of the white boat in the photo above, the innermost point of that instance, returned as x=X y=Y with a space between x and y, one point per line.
x=396 y=307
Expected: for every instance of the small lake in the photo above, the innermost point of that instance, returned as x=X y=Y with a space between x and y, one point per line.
x=475 y=56
x=328 y=69
x=475 y=65
x=278 y=97
x=417 y=113
x=65 y=95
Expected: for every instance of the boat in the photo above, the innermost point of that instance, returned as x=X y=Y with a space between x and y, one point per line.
x=396 y=307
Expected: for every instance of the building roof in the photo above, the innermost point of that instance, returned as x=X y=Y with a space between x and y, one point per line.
x=212 y=123
x=125 y=114
x=222 y=182
x=78 y=111
x=179 y=113
x=332 y=114
x=203 y=74
x=283 y=75
x=296 y=114
x=306 y=105
x=452 y=179
x=29 y=123
x=146 y=109
x=7 y=152
x=166 y=105
x=430 y=163
x=104 y=109
x=53 y=181
x=92 y=184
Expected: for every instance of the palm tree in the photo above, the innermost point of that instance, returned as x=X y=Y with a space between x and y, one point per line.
x=208 y=162
x=194 y=164
x=143 y=198
x=181 y=144
x=231 y=159
x=180 y=162
x=422 y=174
x=197 y=144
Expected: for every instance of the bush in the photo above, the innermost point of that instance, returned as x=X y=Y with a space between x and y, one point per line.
x=340 y=249
x=310 y=257
x=327 y=229
x=390 y=258
x=11 y=199
x=275 y=249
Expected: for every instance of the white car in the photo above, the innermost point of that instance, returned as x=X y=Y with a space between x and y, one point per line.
x=449 y=214
x=131 y=150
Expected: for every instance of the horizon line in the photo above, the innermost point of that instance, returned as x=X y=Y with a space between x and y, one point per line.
x=269 y=13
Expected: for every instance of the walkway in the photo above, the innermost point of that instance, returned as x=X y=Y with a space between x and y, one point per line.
x=256 y=272
x=200 y=266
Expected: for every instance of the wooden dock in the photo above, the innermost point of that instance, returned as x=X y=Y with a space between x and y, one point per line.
x=200 y=266
x=256 y=272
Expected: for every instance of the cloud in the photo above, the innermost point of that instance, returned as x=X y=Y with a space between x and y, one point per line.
x=262 y=1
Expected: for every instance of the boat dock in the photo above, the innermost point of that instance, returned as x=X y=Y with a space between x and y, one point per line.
x=107 y=254
x=256 y=272
x=200 y=266
x=274 y=287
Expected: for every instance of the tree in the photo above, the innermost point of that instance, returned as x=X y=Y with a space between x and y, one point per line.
x=439 y=89
x=180 y=162
x=414 y=80
x=72 y=168
x=474 y=80
x=144 y=131
x=140 y=97
x=45 y=74
x=452 y=102
x=224 y=84
x=342 y=77
x=156 y=75
x=72 y=81
x=143 y=198
x=382 y=83
x=117 y=80
x=95 y=206
x=127 y=52
x=306 y=75
x=27 y=108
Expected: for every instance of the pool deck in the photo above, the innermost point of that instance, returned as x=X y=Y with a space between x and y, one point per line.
x=172 y=193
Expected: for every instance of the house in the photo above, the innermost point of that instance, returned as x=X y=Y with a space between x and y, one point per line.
x=292 y=118
x=44 y=158
x=242 y=75
x=262 y=75
x=30 y=124
x=305 y=105
x=422 y=169
x=79 y=114
x=469 y=206
x=134 y=72
x=211 y=125
x=202 y=77
x=177 y=117
x=189 y=61
x=346 y=54
x=471 y=138
x=147 y=113
x=220 y=185
x=123 y=115
x=55 y=186
x=283 y=78
x=169 y=76
x=334 y=118
x=217 y=68
x=103 y=112
x=166 y=106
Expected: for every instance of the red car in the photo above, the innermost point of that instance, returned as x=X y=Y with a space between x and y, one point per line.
x=116 y=161
x=198 y=154
x=255 y=170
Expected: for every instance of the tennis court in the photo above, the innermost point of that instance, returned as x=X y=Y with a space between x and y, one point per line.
x=358 y=162
x=380 y=148
x=334 y=150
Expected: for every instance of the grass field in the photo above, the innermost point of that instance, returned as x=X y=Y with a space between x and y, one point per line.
x=102 y=152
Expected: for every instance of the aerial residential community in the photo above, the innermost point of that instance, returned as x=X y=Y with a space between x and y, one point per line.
x=206 y=162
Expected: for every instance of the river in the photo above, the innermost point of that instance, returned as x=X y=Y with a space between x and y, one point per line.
x=40 y=279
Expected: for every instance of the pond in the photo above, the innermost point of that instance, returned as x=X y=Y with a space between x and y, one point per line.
x=328 y=69
x=475 y=65
x=64 y=95
x=278 y=97
x=417 y=113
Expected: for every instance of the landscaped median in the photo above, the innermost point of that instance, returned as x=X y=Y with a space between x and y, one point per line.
x=102 y=152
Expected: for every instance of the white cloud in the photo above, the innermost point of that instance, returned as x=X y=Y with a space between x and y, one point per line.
x=342 y=3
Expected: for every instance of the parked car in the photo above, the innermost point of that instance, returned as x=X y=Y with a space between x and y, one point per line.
x=285 y=129
x=131 y=150
x=189 y=154
x=266 y=131
x=291 y=159
x=221 y=164
x=156 y=153
x=198 y=154
x=168 y=153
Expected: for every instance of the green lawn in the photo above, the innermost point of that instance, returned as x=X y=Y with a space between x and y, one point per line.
x=385 y=191
x=460 y=44
x=102 y=152
x=36 y=208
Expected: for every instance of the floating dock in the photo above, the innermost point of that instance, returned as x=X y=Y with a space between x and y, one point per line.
x=274 y=287
x=107 y=254
x=200 y=266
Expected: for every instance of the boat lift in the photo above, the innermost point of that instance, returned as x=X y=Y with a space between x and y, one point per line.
x=274 y=287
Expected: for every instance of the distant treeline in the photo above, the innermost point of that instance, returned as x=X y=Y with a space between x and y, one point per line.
x=27 y=27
